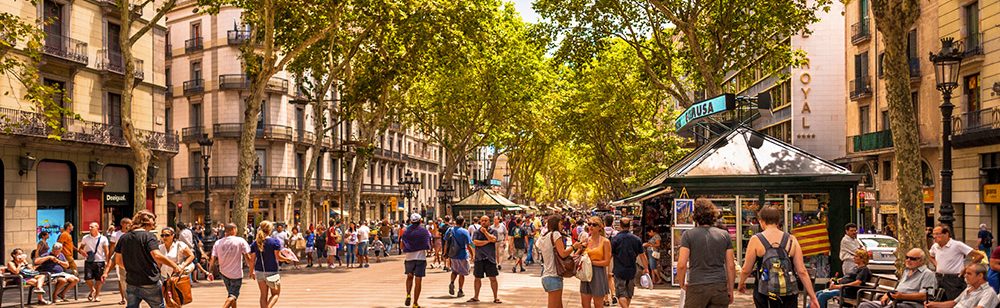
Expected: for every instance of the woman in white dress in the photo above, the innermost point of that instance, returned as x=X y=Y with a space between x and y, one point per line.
x=178 y=252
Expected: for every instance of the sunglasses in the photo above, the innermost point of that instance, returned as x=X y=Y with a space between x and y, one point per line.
x=593 y=224
x=167 y=234
x=912 y=258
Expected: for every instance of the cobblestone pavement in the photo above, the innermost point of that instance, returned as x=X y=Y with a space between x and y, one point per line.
x=383 y=285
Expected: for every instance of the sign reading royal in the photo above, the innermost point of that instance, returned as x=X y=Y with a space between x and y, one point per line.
x=705 y=108
x=117 y=199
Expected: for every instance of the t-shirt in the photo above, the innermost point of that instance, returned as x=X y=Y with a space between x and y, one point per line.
x=51 y=266
x=987 y=237
x=462 y=237
x=950 y=258
x=363 y=232
x=116 y=235
x=135 y=248
x=265 y=260
x=625 y=247
x=67 y=241
x=229 y=250
x=97 y=243
x=187 y=237
x=862 y=274
x=281 y=236
x=707 y=262
x=544 y=245
x=996 y=253
x=488 y=251
x=351 y=237
x=311 y=240
x=331 y=237
x=519 y=235
x=501 y=232
x=384 y=231
x=174 y=254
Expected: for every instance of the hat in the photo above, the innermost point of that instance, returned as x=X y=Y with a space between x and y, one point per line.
x=415 y=217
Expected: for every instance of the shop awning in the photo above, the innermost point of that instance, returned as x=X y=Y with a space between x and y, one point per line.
x=484 y=199
x=642 y=195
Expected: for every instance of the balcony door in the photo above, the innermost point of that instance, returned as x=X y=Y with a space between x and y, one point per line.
x=54 y=25
x=114 y=46
x=114 y=113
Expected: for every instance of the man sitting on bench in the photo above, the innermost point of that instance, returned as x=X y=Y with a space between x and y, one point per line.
x=911 y=292
x=979 y=294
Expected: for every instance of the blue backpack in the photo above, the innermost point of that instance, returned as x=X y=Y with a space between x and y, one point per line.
x=776 y=274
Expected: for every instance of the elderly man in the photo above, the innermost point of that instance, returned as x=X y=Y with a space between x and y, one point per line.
x=848 y=245
x=911 y=292
x=948 y=257
x=978 y=295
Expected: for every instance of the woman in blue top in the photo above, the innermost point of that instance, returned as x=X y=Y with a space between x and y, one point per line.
x=310 y=245
x=267 y=254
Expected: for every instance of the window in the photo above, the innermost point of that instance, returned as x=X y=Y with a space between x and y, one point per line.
x=971 y=13
x=915 y=100
x=195 y=70
x=927 y=177
x=54 y=23
x=991 y=165
x=196 y=165
x=166 y=72
x=879 y=65
x=261 y=161
x=861 y=66
x=971 y=89
x=300 y=170
x=863 y=10
x=887 y=170
x=195 y=30
x=196 y=116
x=262 y=119
x=114 y=110
x=863 y=119
x=885 y=120
x=911 y=46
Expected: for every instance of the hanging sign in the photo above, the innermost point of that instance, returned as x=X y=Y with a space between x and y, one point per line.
x=991 y=193
x=705 y=108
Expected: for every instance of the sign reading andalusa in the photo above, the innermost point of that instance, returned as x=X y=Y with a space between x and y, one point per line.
x=705 y=108
x=117 y=199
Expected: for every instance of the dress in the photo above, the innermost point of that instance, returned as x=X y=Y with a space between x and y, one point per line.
x=598 y=285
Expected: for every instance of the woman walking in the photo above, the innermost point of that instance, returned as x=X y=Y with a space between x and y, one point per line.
x=551 y=243
x=267 y=254
x=178 y=252
x=652 y=250
x=298 y=245
x=351 y=238
x=775 y=238
x=598 y=248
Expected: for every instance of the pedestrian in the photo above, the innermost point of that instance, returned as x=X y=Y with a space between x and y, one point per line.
x=333 y=245
x=598 y=248
x=432 y=227
x=979 y=293
x=266 y=252
x=501 y=229
x=948 y=257
x=124 y=226
x=848 y=245
x=652 y=253
x=911 y=291
x=858 y=275
x=781 y=248
x=179 y=253
x=364 y=233
x=310 y=251
x=68 y=247
x=414 y=241
x=985 y=238
x=138 y=252
x=529 y=233
x=229 y=252
x=297 y=244
x=443 y=228
x=993 y=275
x=55 y=263
x=551 y=243
x=20 y=265
x=95 y=246
x=520 y=237
x=459 y=246
x=320 y=244
x=626 y=248
x=610 y=232
x=281 y=234
x=385 y=235
x=485 y=262
x=42 y=247
x=351 y=238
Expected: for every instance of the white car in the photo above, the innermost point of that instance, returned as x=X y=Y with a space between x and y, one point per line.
x=882 y=249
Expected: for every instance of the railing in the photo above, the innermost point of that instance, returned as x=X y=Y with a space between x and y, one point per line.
x=861 y=87
x=259 y=182
x=276 y=84
x=192 y=183
x=973 y=44
x=65 y=48
x=237 y=37
x=111 y=6
x=327 y=141
x=114 y=62
x=26 y=123
x=379 y=188
x=860 y=31
x=870 y=141
x=234 y=81
x=195 y=86
x=305 y=137
x=269 y=131
x=192 y=134
x=976 y=120
x=193 y=44
x=914 y=67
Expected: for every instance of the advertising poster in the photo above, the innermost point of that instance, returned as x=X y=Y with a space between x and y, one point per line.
x=675 y=247
x=684 y=212
x=50 y=220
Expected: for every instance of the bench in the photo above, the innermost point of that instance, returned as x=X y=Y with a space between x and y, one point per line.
x=851 y=296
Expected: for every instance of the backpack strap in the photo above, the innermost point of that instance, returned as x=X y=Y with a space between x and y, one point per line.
x=784 y=242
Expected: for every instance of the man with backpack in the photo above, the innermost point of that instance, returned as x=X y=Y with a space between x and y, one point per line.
x=459 y=247
x=520 y=244
x=625 y=249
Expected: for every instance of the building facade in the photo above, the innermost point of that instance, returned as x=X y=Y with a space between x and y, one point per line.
x=87 y=175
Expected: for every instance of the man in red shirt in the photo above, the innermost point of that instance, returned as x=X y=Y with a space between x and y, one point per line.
x=332 y=239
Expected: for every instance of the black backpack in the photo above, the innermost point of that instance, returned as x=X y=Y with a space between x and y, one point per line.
x=776 y=274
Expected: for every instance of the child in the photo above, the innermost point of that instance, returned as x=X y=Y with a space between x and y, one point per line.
x=379 y=247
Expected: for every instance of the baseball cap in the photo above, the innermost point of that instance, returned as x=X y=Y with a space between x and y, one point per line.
x=415 y=217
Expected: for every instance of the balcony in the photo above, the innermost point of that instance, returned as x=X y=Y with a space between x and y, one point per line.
x=192 y=183
x=329 y=185
x=234 y=81
x=259 y=182
x=192 y=134
x=110 y=7
x=861 y=87
x=380 y=189
x=112 y=62
x=278 y=85
x=870 y=141
x=195 y=86
x=973 y=44
x=861 y=31
x=193 y=44
x=976 y=128
x=237 y=37
x=269 y=131
x=65 y=48
x=304 y=137
x=31 y=124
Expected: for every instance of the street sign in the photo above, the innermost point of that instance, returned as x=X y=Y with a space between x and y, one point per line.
x=705 y=108
x=256 y=204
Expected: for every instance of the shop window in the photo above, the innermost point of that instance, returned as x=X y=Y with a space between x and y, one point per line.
x=887 y=170
x=56 y=195
x=991 y=167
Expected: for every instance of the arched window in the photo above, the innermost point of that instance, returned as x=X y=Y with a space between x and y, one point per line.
x=926 y=175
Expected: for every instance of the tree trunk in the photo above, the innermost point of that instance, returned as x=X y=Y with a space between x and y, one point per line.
x=493 y=163
x=357 y=179
x=893 y=19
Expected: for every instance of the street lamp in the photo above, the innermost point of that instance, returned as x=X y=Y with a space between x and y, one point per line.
x=444 y=197
x=409 y=183
x=206 y=154
x=947 y=64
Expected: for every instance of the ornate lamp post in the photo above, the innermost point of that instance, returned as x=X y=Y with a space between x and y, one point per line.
x=206 y=155
x=409 y=183
x=947 y=64
x=444 y=197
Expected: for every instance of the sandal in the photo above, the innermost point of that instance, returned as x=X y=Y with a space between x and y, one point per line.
x=472 y=300
x=122 y=303
x=497 y=301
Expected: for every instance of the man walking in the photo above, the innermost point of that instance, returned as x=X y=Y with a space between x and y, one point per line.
x=713 y=268
x=529 y=233
x=68 y=247
x=501 y=230
x=363 y=234
x=385 y=235
x=95 y=246
x=848 y=245
x=459 y=244
x=485 y=258
x=124 y=226
x=333 y=245
x=948 y=257
x=625 y=248
x=978 y=295
x=520 y=244
x=138 y=251
x=415 y=242
x=230 y=252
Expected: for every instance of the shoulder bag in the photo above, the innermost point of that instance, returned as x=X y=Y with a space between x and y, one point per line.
x=584 y=268
x=565 y=267
x=178 y=289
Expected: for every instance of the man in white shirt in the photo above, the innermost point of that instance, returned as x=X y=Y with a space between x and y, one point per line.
x=125 y=224
x=501 y=230
x=96 y=247
x=280 y=234
x=948 y=257
x=363 y=233
x=185 y=236
x=848 y=245
x=230 y=252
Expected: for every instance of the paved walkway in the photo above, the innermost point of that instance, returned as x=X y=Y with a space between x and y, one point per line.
x=383 y=285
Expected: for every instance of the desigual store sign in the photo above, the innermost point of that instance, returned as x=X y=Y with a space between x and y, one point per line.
x=117 y=199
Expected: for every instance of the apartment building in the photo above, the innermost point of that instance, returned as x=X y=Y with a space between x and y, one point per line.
x=86 y=175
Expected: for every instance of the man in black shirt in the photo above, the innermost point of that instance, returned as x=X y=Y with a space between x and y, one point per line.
x=625 y=248
x=138 y=251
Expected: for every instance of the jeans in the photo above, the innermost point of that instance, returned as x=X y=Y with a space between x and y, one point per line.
x=153 y=295
x=350 y=253
x=824 y=296
x=388 y=246
x=531 y=243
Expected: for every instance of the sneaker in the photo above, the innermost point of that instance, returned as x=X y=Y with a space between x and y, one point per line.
x=451 y=288
x=522 y=269
x=446 y=269
x=460 y=293
x=407 y=302
x=367 y=265
x=513 y=270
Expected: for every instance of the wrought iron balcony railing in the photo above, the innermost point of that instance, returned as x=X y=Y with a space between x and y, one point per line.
x=193 y=44
x=237 y=37
x=267 y=131
x=234 y=81
x=195 y=86
x=66 y=48
x=976 y=120
x=113 y=62
x=861 y=31
x=192 y=134
x=973 y=44
x=26 y=123
x=861 y=87
x=276 y=84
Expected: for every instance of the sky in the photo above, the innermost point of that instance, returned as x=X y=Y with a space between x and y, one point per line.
x=524 y=7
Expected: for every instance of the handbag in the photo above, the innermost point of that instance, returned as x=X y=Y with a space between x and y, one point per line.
x=273 y=281
x=178 y=289
x=92 y=254
x=300 y=244
x=584 y=268
x=565 y=267
x=656 y=254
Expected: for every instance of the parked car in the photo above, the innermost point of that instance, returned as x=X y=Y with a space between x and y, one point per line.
x=883 y=251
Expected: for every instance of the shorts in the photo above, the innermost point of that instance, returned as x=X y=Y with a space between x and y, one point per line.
x=310 y=250
x=93 y=270
x=233 y=286
x=331 y=249
x=460 y=266
x=262 y=276
x=552 y=283
x=485 y=268
x=416 y=268
x=519 y=253
x=624 y=288
x=363 y=248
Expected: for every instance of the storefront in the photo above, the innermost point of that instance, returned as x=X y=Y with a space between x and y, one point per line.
x=118 y=195
x=743 y=171
x=56 y=193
